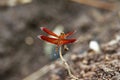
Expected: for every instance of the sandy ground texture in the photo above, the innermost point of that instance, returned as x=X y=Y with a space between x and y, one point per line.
x=91 y=65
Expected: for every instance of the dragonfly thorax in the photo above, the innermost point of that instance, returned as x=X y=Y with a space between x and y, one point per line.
x=62 y=35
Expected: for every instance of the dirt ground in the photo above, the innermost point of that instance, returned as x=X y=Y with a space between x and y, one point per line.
x=22 y=53
x=90 y=65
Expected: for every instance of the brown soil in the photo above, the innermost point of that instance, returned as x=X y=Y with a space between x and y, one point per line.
x=90 y=65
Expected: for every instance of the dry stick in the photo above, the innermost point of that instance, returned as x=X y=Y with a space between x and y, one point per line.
x=39 y=73
x=67 y=66
x=98 y=4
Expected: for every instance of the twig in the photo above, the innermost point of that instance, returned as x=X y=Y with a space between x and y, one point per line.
x=39 y=73
x=67 y=66
x=98 y=4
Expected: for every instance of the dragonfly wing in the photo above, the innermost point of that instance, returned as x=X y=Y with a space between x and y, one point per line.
x=48 y=39
x=67 y=41
x=69 y=33
x=48 y=31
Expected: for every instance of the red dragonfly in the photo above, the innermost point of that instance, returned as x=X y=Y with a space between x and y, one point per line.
x=59 y=39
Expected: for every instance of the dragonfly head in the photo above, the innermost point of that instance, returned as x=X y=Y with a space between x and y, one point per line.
x=62 y=35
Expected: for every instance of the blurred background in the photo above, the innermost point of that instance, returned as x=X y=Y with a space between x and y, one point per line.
x=22 y=53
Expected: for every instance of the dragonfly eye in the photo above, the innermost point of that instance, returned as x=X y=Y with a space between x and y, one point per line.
x=62 y=33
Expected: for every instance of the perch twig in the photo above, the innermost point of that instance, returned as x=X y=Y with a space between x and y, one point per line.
x=66 y=64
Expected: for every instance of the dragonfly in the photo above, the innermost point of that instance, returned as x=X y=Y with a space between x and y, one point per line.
x=59 y=40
